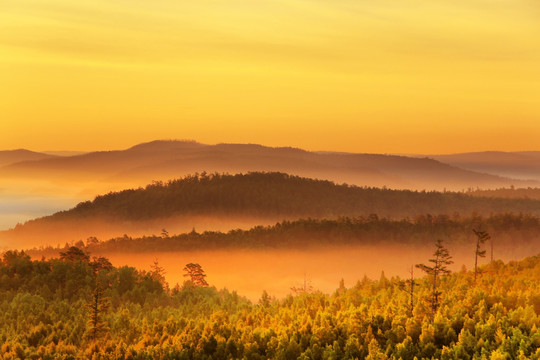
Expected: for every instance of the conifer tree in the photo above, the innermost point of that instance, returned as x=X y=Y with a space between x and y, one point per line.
x=440 y=261
x=411 y=283
x=305 y=288
x=481 y=238
x=97 y=306
x=73 y=254
x=100 y=263
x=265 y=299
x=158 y=273
x=196 y=274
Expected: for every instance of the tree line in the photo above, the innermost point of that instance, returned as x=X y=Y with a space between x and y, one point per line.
x=509 y=193
x=510 y=229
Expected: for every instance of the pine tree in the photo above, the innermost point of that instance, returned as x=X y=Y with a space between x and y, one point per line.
x=265 y=299
x=73 y=254
x=196 y=274
x=411 y=283
x=99 y=264
x=97 y=306
x=164 y=233
x=481 y=238
x=157 y=273
x=441 y=259
x=305 y=288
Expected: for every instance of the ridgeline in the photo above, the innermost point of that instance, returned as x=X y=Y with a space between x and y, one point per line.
x=278 y=194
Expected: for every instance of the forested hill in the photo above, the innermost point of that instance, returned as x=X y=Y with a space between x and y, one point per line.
x=261 y=194
x=225 y=202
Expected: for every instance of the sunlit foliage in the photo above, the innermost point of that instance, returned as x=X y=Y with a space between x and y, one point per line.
x=43 y=314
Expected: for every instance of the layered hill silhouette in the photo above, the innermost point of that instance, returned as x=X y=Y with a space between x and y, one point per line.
x=163 y=160
x=255 y=198
x=523 y=165
x=8 y=157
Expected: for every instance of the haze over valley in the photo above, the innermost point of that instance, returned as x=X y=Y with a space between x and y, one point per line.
x=46 y=183
x=237 y=207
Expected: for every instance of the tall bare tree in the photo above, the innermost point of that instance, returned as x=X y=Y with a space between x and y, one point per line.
x=440 y=261
x=411 y=283
x=481 y=238
x=305 y=288
x=408 y=286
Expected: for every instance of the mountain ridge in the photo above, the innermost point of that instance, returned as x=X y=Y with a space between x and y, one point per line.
x=524 y=165
x=165 y=159
x=21 y=155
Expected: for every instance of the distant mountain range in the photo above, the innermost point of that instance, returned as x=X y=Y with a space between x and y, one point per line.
x=163 y=160
x=518 y=165
x=8 y=157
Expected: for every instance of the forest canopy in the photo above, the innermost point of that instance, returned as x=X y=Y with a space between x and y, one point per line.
x=46 y=314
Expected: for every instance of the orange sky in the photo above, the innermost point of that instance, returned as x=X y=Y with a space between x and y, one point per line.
x=388 y=76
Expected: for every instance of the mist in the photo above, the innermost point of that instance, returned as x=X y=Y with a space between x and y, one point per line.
x=249 y=272
x=34 y=235
x=23 y=201
x=28 y=198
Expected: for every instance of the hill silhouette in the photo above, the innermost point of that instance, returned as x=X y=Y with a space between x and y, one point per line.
x=523 y=165
x=281 y=194
x=163 y=160
x=262 y=197
x=8 y=157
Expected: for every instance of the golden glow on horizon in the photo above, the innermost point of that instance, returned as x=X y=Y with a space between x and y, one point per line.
x=419 y=76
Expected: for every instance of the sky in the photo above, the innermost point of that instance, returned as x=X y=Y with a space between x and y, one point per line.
x=385 y=76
